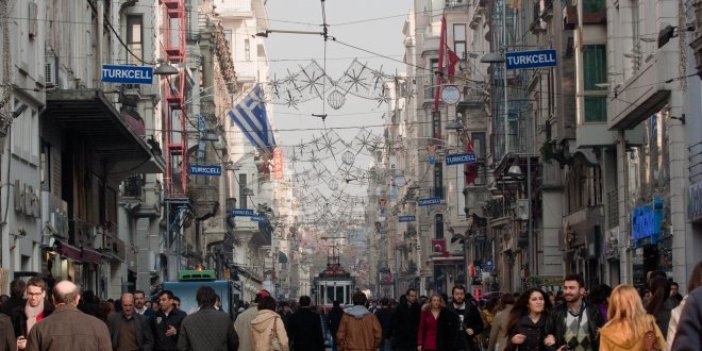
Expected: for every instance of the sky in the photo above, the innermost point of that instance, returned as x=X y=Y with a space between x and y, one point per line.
x=289 y=51
x=373 y=25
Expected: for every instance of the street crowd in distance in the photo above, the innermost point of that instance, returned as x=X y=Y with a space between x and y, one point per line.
x=655 y=317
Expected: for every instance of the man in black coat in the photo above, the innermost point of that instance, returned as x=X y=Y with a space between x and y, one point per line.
x=576 y=323
x=470 y=323
x=165 y=323
x=405 y=322
x=305 y=328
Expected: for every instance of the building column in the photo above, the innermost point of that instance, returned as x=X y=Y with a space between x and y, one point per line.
x=624 y=235
x=677 y=153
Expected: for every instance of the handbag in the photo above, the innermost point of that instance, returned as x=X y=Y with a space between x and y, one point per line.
x=275 y=343
x=651 y=340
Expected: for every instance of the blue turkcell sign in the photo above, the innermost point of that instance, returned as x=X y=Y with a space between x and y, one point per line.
x=531 y=59
x=407 y=218
x=241 y=212
x=489 y=266
x=429 y=201
x=206 y=170
x=127 y=74
x=459 y=159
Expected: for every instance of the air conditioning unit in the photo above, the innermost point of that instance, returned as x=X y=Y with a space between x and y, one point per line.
x=33 y=26
x=522 y=209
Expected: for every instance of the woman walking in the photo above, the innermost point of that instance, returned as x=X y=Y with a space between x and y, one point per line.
x=527 y=323
x=267 y=329
x=628 y=323
x=498 y=333
x=437 y=326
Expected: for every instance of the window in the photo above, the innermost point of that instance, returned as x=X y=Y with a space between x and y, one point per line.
x=439 y=226
x=594 y=73
x=429 y=90
x=459 y=40
x=243 y=191
x=247 y=50
x=438 y=180
x=479 y=148
x=45 y=165
x=590 y=6
x=135 y=38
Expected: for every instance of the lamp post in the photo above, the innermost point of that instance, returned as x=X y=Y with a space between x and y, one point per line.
x=516 y=171
x=499 y=57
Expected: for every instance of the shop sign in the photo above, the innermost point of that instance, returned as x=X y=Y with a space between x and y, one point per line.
x=646 y=220
x=694 y=202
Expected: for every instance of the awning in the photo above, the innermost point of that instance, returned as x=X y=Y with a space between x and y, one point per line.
x=67 y=250
x=91 y=256
x=114 y=136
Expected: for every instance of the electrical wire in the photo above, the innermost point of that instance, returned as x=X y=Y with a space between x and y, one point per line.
x=109 y=25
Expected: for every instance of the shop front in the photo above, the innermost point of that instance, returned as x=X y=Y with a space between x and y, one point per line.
x=652 y=243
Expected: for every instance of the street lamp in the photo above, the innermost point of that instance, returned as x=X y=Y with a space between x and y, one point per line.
x=500 y=57
x=165 y=69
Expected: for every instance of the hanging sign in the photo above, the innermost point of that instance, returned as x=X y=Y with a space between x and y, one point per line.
x=531 y=59
x=429 y=202
x=459 y=159
x=407 y=218
x=127 y=74
x=241 y=212
x=206 y=170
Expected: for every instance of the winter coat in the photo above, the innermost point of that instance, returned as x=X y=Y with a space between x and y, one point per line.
x=242 y=326
x=446 y=328
x=305 y=331
x=557 y=324
x=7 y=336
x=69 y=329
x=334 y=318
x=674 y=320
x=160 y=324
x=471 y=319
x=207 y=330
x=498 y=332
x=535 y=334
x=19 y=318
x=404 y=326
x=141 y=330
x=261 y=329
x=359 y=330
x=619 y=336
x=689 y=334
x=663 y=315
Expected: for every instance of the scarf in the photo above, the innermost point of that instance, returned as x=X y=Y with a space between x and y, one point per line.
x=34 y=314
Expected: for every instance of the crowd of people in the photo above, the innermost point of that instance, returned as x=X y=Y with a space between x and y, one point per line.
x=657 y=317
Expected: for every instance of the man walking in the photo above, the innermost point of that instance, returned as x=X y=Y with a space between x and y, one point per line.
x=68 y=328
x=129 y=330
x=140 y=304
x=207 y=329
x=242 y=325
x=37 y=308
x=575 y=325
x=305 y=328
x=470 y=322
x=166 y=322
x=405 y=322
x=359 y=329
x=16 y=297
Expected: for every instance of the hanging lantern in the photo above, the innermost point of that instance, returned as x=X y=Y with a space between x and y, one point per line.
x=336 y=99
x=348 y=157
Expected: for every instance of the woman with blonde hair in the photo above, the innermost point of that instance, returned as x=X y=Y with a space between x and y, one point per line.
x=628 y=323
x=437 y=326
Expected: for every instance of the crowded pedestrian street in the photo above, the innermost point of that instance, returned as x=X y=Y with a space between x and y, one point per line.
x=328 y=175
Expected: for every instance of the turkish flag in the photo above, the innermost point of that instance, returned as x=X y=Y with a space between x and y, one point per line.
x=470 y=170
x=453 y=61
x=439 y=246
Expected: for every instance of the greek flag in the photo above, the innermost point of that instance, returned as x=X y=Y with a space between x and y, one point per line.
x=249 y=114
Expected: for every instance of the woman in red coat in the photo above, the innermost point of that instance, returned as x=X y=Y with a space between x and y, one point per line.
x=434 y=323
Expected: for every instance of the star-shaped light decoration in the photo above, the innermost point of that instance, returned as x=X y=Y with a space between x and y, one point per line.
x=291 y=100
x=313 y=80
x=383 y=97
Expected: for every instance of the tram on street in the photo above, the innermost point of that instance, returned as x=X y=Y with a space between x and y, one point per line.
x=334 y=284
